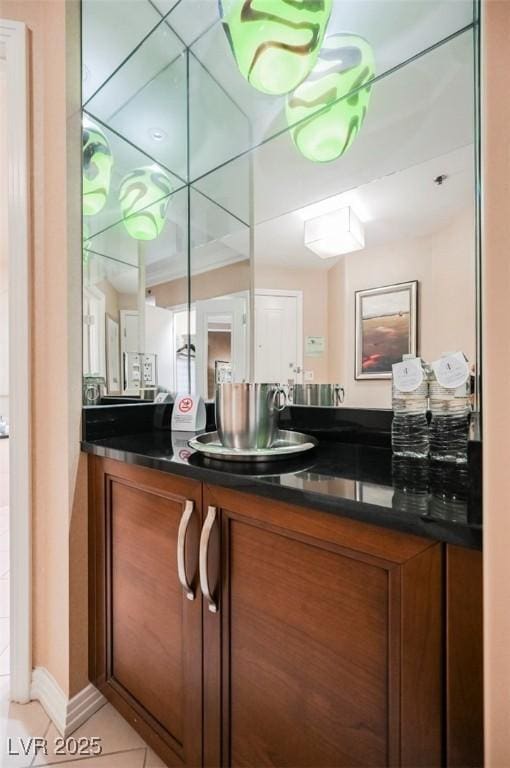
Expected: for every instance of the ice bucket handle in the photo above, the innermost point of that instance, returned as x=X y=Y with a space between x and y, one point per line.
x=279 y=399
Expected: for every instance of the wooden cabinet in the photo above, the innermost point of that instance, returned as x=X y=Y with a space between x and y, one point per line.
x=312 y=640
x=146 y=649
x=329 y=642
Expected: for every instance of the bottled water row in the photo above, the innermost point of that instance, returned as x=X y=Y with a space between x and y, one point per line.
x=416 y=387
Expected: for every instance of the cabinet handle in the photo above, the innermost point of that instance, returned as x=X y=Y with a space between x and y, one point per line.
x=181 y=543
x=204 y=551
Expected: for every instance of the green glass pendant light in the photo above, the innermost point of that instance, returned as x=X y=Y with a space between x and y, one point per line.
x=144 y=197
x=97 y=168
x=275 y=42
x=325 y=124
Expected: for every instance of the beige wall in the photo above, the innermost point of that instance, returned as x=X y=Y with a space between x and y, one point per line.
x=59 y=479
x=206 y=285
x=127 y=300
x=496 y=378
x=115 y=301
x=444 y=265
x=313 y=284
x=111 y=298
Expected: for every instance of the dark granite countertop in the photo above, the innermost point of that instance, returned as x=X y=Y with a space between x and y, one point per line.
x=363 y=482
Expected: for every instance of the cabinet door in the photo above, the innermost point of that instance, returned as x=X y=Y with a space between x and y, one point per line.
x=328 y=637
x=147 y=644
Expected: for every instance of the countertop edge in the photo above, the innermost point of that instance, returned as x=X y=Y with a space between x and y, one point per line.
x=372 y=514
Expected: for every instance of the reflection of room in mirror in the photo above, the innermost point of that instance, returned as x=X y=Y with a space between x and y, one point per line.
x=414 y=230
x=259 y=250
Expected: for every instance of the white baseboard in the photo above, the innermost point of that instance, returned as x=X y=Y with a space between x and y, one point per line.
x=66 y=714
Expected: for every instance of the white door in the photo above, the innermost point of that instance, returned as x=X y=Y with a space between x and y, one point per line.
x=94 y=349
x=159 y=342
x=217 y=318
x=128 y=342
x=278 y=336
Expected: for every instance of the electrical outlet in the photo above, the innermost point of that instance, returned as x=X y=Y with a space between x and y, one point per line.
x=308 y=375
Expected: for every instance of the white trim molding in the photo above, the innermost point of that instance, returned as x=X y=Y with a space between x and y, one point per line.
x=66 y=714
x=14 y=49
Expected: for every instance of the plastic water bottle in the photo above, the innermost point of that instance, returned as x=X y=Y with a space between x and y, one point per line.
x=449 y=492
x=450 y=406
x=449 y=428
x=409 y=428
x=410 y=481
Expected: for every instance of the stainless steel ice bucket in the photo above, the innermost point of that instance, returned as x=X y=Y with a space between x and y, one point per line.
x=247 y=414
x=317 y=394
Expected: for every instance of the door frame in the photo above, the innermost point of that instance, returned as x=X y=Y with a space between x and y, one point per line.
x=98 y=295
x=220 y=305
x=123 y=313
x=298 y=295
x=14 y=49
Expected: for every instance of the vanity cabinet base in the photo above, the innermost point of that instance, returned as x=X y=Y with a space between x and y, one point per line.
x=315 y=640
x=145 y=635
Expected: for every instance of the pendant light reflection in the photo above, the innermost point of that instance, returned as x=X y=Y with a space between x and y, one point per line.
x=275 y=42
x=97 y=168
x=85 y=242
x=345 y=63
x=144 y=197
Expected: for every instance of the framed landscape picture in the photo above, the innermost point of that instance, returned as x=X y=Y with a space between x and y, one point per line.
x=386 y=328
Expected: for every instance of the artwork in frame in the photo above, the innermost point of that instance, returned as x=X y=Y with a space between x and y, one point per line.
x=386 y=328
x=112 y=356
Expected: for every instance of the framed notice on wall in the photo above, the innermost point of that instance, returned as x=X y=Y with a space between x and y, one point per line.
x=386 y=328
x=112 y=356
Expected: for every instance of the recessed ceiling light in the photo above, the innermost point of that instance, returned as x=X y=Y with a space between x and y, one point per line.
x=157 y=134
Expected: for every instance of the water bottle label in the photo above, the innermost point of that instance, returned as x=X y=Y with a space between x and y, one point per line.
x=408 y=375
x=451 y=371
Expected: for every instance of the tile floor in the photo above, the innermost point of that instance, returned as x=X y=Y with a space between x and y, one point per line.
x=121 y=746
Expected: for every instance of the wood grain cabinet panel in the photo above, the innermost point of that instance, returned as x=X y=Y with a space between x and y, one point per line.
x=464 y=658
x=152 y=667
x=333 y=643
x=309 y=637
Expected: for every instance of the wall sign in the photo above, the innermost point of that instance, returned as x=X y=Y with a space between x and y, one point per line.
x=188 y=414
x=315 y=345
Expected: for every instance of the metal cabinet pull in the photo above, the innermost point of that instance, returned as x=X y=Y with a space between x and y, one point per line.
x=181 y=543
x=204 y=551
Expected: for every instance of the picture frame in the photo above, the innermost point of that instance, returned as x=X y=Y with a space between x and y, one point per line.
x=113 y=373
x=386 y=325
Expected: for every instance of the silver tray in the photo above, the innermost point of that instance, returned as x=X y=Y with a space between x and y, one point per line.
x=287 y=444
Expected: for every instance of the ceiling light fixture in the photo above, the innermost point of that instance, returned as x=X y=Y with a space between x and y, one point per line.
x=144 y=195
x=157 y=134
x=326 y=112
x=277 y=44
x=97 y=168
x=334 y=233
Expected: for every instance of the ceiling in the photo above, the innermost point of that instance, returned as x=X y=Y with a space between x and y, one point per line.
x=396 y=207
x=419 y=124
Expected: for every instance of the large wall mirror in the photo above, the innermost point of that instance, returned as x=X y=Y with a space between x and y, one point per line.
x=259 y=205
